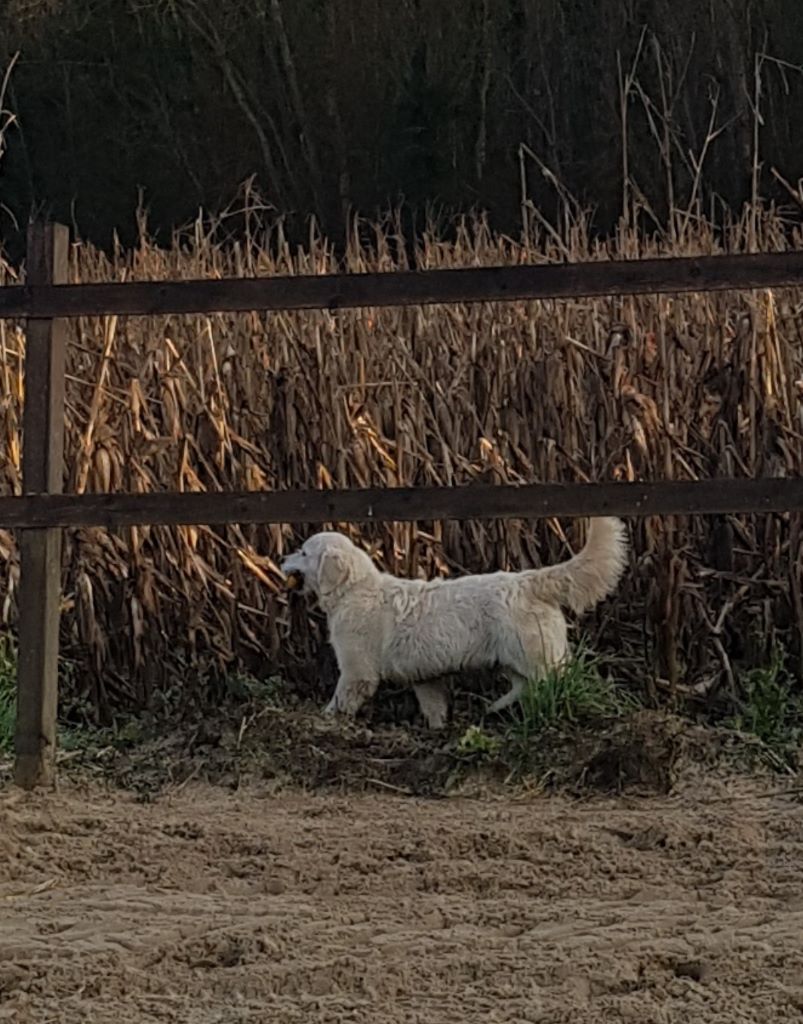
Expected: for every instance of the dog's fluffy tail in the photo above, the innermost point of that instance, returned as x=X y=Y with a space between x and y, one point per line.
x=592 y=574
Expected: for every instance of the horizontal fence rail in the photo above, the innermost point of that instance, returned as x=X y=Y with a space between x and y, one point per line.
x=405 y=504
x=420 y=287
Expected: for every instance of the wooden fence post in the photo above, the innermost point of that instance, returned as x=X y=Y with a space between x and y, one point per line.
x=40 y=549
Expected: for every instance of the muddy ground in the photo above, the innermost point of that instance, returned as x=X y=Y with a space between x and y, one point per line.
x=656 y=878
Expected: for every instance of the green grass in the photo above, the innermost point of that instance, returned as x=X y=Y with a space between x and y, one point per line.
x=569 y=695
x=8 y=684
x=771 y=707
x=77 y=729
x=69 y=737
x=477 y=743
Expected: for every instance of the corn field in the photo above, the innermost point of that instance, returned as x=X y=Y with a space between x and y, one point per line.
x=688 y=387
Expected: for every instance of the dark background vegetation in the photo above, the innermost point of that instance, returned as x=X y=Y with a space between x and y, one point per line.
x=336 y=105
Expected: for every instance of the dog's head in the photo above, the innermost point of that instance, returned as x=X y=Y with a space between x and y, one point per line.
x=328 y=564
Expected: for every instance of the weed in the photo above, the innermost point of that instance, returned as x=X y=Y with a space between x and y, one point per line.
x=477 y=743
x=568 y=695
x=8 y=683
x=771 y=708
x=246 y=687
x=70 y=737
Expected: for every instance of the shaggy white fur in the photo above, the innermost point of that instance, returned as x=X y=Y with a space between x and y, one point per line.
x=386 y=628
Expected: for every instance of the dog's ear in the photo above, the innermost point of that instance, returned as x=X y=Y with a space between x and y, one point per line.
x=333 y=572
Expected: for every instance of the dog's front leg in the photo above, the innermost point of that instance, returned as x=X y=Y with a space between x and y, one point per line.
x=350 y=694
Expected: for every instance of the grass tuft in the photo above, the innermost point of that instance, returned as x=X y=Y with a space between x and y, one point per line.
x=771 y=707
x=569 y=695
x=8 y=700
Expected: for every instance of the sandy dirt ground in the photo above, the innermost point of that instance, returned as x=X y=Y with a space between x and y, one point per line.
x=212 y=906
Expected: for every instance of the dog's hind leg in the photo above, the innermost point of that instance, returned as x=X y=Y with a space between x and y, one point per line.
x=433 y=703
x=513 y=694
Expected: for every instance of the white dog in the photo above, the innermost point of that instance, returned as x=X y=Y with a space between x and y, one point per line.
x=385 y=628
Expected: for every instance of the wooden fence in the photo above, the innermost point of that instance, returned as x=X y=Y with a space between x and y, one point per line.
x=40 y=514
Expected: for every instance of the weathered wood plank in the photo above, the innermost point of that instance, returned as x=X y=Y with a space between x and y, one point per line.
x=40 y=548
x=472 y=284
x=407 y=504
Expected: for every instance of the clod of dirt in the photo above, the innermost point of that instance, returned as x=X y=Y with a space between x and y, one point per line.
x=696 y=970
x=639 y=752
x=12 y=977
x=651 y=838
